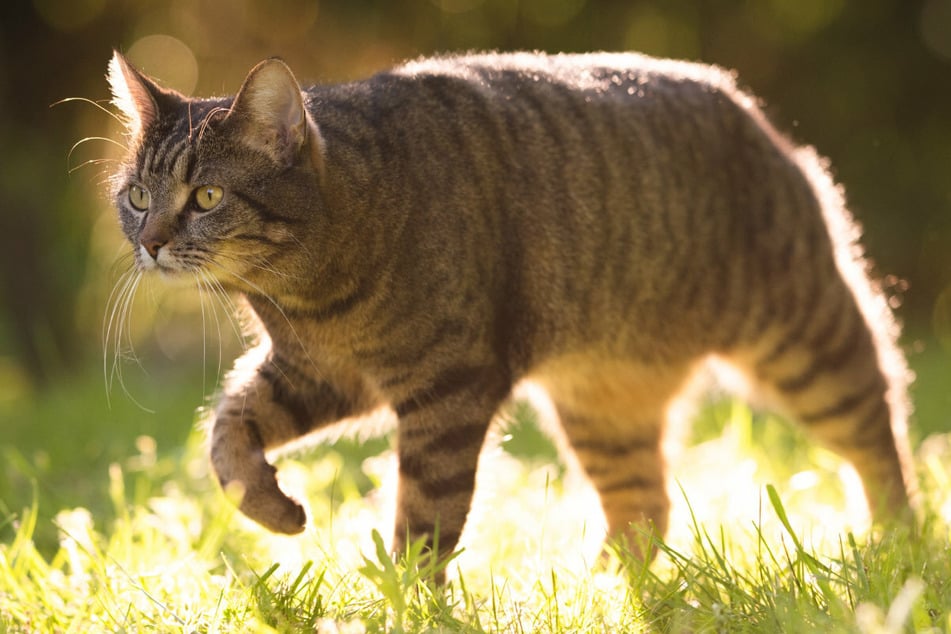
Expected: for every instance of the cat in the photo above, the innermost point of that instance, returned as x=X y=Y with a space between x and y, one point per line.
x=425 y=239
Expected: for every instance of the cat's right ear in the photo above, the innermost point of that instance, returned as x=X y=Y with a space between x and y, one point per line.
x=133 y=94
x=269 y=111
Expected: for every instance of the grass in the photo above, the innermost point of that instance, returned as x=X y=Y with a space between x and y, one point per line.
x=113 y=523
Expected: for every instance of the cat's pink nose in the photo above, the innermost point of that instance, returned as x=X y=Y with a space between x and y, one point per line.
x=152 y=245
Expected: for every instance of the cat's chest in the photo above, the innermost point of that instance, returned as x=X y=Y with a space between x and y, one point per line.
x=322 y=347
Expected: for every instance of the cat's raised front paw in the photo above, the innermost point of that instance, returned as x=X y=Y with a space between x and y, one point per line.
x=252 y=483
x=265 y=503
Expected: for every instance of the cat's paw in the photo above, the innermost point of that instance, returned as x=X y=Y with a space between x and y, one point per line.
x=272 y=509
x=261 y=499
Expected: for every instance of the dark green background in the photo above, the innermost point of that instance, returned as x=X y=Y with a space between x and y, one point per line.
x=867 y=82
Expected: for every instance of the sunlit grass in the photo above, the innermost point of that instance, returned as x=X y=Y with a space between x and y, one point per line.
x=171 y=554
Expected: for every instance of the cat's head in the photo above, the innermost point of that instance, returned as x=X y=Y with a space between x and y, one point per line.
x=215 y=187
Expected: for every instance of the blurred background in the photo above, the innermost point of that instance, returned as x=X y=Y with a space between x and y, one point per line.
x=867 y=83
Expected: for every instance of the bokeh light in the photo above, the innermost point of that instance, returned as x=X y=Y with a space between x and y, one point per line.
x=457 y=6
x=942 y=319
x=281 y=22
x=550 y=12
x=167 y=58
x=69 y=16
x=656 y=32
x=936 y=27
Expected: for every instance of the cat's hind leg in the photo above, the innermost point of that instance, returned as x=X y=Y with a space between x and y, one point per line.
x=845 y=382
x=614 y=417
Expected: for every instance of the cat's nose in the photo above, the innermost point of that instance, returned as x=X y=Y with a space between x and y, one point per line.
x=152 y=245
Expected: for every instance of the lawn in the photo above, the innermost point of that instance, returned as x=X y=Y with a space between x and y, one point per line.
x=110 y=521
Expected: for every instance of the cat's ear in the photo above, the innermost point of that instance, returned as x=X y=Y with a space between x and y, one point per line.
x=135 y=95
x=270 y=113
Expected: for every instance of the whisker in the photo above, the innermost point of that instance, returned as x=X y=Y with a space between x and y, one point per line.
x=302 y=246
x=204 y=331
x=214 y=310
x=117 y=300
x=115 y=326
x=91 y=102
x=124 y=261
x=209 y=286
x=124 y=328
x=262 y=264
x=229 y=308
x=109 y=317
x=98 y=161
x=257 y=289
x=94 y=138
x=75 y=146
x=208 y=117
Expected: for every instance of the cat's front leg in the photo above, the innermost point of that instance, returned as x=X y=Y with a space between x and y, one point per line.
x=238 y=443
x=441 y=431
x=278 y=403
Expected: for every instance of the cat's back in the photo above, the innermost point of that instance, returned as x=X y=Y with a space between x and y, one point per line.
x=443 y=90
x=594 y=74
x=597 y=115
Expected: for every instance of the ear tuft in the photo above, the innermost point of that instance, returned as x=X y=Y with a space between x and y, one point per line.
x=133 y=94
x=270 y=111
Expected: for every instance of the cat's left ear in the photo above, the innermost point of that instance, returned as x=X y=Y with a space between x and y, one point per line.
x=137 y=97
x=269 y=110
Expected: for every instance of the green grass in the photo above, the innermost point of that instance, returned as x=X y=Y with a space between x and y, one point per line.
x=111 y=522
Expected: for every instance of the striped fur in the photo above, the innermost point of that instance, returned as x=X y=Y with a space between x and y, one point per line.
x=426 y=238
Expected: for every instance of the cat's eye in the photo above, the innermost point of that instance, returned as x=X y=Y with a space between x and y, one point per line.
x=139 y=197
x=207 y=197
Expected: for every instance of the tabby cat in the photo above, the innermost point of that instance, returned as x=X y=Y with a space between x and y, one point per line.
x=425 y=239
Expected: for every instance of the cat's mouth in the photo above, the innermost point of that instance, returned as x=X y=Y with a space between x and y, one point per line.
x=171 y=277
x=167 y=273
x=168 y=267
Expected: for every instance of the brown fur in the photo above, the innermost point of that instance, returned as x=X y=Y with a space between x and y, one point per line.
x=426 y=238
